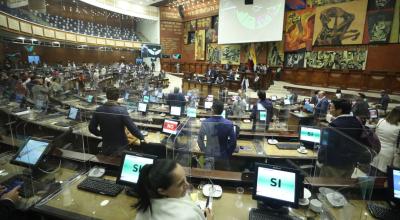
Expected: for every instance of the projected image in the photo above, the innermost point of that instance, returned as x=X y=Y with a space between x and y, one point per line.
x=230 y=54
x=262 y=16
x=276 y=184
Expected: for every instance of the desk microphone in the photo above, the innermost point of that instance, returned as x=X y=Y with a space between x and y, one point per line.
x=213 y=190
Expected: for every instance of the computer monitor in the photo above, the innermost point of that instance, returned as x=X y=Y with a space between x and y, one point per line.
x=393 y=178
x=309 y=136
x=31 y=153
x=373 y=113
x=90 y=98
x=160 y=95
x=306 y=100
x=286 y=102
x=146 y=98
x=170 y=126
x=73 y=113
x=277 y=186
x=153 y=99
x=274 y=98
x=223 y=114
x=262 y=116
x=175 y=111
x=191 y=112
x=34 y=59
x=208 y=105
x=130 y=167
x=142 y=107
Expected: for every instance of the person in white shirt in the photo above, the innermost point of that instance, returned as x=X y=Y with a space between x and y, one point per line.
x=162 y=194
x=388 y=131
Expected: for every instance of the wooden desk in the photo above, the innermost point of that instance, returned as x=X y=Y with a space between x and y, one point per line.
x=272 y=151
x=78 y=204
x=297 y=119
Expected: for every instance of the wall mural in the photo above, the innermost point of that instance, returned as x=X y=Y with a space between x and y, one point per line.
x=211 y=36
x=394 y=34
x=299 y=29
x=275 y=54
x=295 y=4
x=353 y=59
x=213 y=53
x=325 y=2
x=340 y=24
x=204 y=23
x=378 y=26
x=230 y=54
x=294 y=60
x=200 y=45
x=380 y=4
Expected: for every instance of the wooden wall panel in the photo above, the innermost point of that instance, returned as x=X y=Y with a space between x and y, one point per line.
x=37 y=30
x=49 y=33
x=383 y=58
x=25 y=27
x=3 y=20
x=13 y=24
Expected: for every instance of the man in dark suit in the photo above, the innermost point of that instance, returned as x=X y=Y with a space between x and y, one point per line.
x=221 y=139
x=361 y=108
x=321 y=108
x=176 y=98
x=263 y=104
x=109 y=121
x=384 y=101
x=341 y=144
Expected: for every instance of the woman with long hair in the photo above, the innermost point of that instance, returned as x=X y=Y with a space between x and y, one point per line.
x=162 y=194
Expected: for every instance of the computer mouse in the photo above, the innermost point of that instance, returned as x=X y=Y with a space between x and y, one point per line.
x=96 y=172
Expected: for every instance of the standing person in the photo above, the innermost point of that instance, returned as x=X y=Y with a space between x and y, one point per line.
x=109 y=122
x=245 y=83
x=321 y=108
x=153 y=66
x=176 y=98
x=221 y=139
x=256 y=82
x=314 y=98
x=40 y=94
x=338 y=93
x=383 y=101
x=361 y=108
x=341 y=147
x=388 y=131
x=263 y=104
x=162 y=194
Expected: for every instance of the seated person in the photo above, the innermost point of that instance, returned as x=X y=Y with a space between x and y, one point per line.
x=383 y=101
x=293 y=97
x=361 y=108
x=221 y=139
x=231 y=75
x=219 y=80
x=7 y=203
x=162 y=194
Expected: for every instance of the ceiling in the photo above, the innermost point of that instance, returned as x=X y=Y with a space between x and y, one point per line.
x=144 y=2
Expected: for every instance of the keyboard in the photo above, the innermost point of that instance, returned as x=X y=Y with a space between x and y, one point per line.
x=66 y=123
x=100 y=186
x=378 y=211
x=257 y=214
x=288 y=146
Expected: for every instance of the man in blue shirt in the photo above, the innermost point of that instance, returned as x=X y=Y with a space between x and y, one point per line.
x=221 y=139
x=109 y=121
